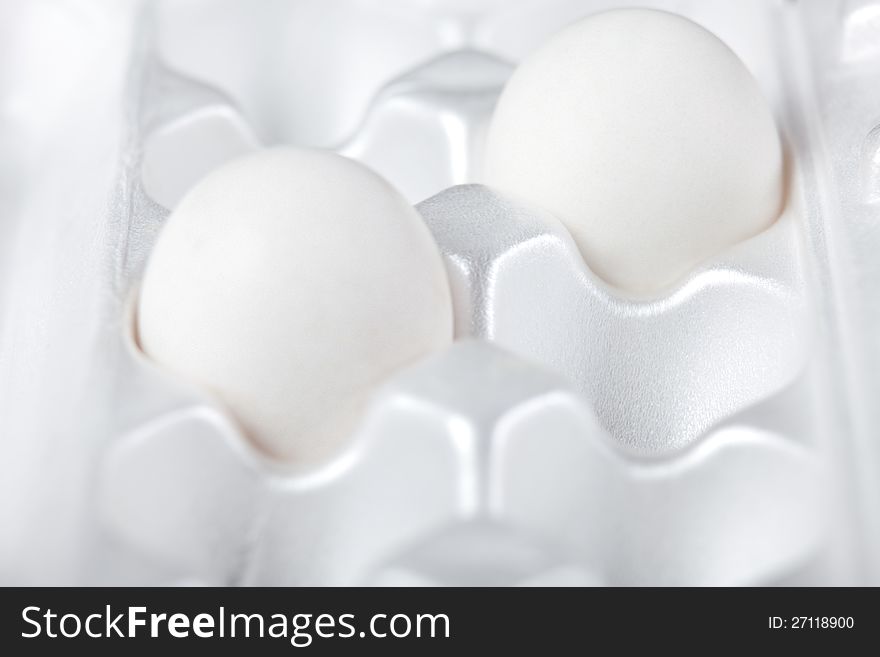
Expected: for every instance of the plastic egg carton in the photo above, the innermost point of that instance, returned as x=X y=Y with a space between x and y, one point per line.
x=722 y=433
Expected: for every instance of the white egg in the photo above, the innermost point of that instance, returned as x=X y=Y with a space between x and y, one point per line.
x=291 y=283
x=647 y=137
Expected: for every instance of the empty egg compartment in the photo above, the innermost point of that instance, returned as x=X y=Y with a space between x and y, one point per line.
x=414 y=109
x=658 y=372
x=423 y=130
x=724 y=358
x=303 y=72
x=471 y=447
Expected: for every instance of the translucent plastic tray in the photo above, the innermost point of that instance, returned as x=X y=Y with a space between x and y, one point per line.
x=724 y=433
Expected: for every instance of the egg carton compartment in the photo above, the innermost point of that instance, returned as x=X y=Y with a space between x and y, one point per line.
x=658 y=373
x=414 y=109
x=424 y=130
x=510 y=451
x=726 y=443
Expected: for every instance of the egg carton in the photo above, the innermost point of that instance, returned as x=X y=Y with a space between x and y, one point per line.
x=720 y=433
